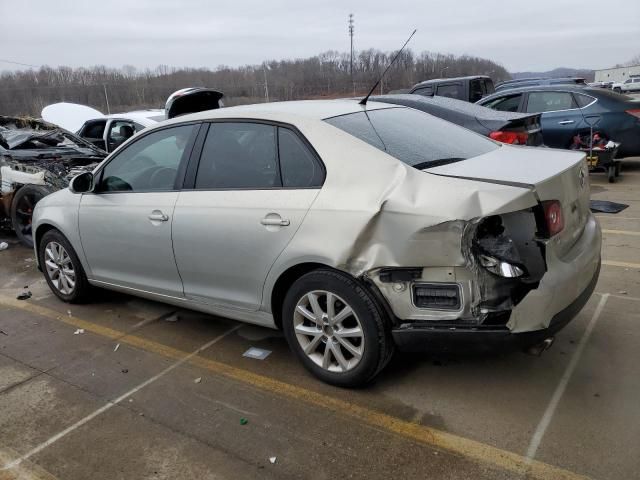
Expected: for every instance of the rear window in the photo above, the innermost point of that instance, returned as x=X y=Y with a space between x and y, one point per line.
x=414 y=137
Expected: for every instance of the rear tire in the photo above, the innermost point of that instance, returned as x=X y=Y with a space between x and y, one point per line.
x=62 y=268
x=345 y=345
x=22 y=205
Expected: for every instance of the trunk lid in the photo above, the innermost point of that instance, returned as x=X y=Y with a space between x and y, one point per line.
x=529 y=124
x=552 y=174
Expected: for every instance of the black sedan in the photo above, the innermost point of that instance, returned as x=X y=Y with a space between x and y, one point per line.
x=568 y=111
x=514 y=128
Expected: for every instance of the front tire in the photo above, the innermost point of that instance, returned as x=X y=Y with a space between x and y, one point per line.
x=62 y=268
x=336 y=328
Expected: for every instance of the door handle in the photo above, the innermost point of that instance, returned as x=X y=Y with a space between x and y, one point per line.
x=275 y=221
x=157 y=216
x=566 y=122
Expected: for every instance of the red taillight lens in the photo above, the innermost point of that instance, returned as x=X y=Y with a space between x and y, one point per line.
x=514 y=138
x=635 y=112
x=553 y=216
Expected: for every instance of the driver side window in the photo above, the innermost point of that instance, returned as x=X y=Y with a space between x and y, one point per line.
x=150 y=163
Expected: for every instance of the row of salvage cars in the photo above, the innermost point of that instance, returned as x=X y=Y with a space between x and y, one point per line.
x=38 y=157
x=357 y=227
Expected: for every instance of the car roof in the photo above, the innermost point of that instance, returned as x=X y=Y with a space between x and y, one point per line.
x=453 y=104
x=440 y=80
x=532 y=88
x=308 y=109
x=536 y=79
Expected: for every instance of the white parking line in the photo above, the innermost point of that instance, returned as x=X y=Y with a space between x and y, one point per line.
x=559 y=391
x=113 y=403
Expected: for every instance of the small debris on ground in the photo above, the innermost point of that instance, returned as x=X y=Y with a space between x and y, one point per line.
x=2 y=332
x=622 y=292
x=243 y=421
x=116 y=347
x=125 y=370
x=4 y=245
x=197 y=380
x=273 y=459
x=69 y=313
x=257 y=353
x=24 y=295
x=79 y=331
x=172 y=318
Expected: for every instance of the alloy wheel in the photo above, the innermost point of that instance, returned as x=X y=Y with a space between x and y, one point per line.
x=60 y=268
x=329 y=331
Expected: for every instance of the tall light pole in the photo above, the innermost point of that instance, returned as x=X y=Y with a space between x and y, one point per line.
x=351 y=28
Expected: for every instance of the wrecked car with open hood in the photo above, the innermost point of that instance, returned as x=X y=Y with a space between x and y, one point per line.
x=354 y=228
x=36 y=159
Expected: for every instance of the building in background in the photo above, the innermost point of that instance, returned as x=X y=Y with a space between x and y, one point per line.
x=617 y=75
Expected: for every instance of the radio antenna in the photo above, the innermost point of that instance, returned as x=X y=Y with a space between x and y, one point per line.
x=364 y=100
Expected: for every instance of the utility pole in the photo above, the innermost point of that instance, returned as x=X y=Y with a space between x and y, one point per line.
x=106 y=97
x=266 y=86
x=351 y=28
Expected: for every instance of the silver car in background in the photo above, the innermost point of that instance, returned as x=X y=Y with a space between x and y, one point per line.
x=354 y=229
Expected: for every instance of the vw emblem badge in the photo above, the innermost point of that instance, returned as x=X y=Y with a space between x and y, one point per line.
x=582 y=177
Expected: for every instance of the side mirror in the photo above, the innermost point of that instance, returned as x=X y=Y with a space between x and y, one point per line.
x=82 y=183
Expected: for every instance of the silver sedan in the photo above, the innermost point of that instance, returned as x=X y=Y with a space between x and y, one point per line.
x=354 y=229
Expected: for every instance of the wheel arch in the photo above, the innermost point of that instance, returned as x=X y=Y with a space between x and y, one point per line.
x=293 y=273
x=284 y=282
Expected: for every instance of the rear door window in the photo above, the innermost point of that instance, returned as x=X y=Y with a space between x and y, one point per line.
x=505 y=104
x=414 y=137
x=239 y=155
x=451 y=90
x=540 y=102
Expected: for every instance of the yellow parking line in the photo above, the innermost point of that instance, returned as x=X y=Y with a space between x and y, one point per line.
x=622 y=232
x=471 y=449
x=613 y=263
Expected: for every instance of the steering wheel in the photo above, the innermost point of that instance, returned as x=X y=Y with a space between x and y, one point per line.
x=163 y=177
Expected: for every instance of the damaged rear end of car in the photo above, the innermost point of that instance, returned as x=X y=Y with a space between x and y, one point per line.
x=496 y=250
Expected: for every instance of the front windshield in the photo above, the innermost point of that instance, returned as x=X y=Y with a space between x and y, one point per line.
x=416 y=138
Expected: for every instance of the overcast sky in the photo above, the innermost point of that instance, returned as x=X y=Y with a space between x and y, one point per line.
x=521 y=35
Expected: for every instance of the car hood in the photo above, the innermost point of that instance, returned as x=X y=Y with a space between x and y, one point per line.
x=70 y=116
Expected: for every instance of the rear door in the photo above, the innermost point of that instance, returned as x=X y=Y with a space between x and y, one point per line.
x=561 y=117
x=240 y=207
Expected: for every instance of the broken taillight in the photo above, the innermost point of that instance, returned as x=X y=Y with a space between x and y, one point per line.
x=635 y=112
x=514 y=138
x=553 y=216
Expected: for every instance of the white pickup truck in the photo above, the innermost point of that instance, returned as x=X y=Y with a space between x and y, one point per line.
x=628 y=86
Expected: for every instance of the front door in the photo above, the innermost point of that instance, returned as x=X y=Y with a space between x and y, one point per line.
x=254 y=185
x=125 y=224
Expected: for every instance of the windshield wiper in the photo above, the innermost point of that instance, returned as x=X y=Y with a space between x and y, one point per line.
x=437 y=163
